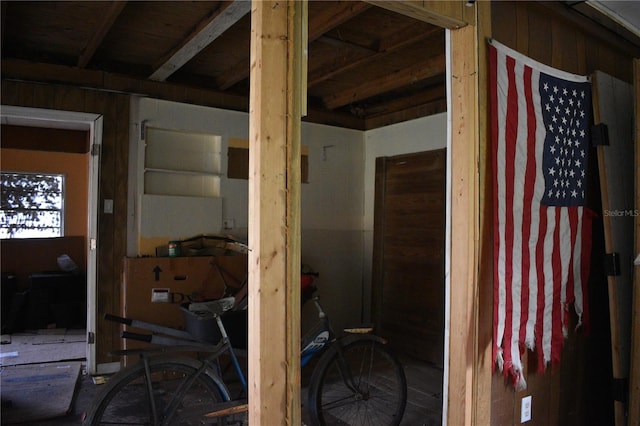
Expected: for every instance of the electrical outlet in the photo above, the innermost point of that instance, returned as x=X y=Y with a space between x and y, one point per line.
x=525 y=410
x=160 y=295
x=228 y=224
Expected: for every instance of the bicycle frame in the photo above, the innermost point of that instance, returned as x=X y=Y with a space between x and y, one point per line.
x=175 y=341
x=319 y=340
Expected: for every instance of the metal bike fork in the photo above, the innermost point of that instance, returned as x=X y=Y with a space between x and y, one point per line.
x=149 y=382
x=236 y=363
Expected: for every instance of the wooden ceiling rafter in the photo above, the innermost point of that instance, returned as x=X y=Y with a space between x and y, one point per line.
x=104 y=26
x=349 y=63
x=320 y=22
x=431 y=67
x=433 y=93
x=365 y=62
x=209 y=30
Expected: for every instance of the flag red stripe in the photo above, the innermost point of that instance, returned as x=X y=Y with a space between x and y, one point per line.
x=511 y=133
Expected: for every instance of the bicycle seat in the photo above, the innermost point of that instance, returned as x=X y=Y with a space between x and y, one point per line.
x=213 y=307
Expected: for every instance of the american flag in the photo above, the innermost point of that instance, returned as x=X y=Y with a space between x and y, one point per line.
x=540 y=120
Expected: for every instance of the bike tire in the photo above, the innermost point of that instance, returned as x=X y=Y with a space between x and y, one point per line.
x=376 y=372
x=124 y=399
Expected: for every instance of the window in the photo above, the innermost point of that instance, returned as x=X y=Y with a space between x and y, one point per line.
x=32 y=205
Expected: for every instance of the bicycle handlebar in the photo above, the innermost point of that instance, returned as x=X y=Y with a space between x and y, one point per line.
x=115 y=318
x=136 y=336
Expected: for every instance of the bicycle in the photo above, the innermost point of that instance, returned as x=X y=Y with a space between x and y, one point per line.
x=357 y=379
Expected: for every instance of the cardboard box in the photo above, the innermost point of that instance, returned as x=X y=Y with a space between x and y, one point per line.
x=181 y=276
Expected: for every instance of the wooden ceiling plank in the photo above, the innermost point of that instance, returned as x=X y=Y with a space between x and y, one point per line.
x=345 y=44
x=3 y=16
x=328 y=18
x=320 y=22
x=429 y=68
x=217 y=24
x=428 y=95
x=430 y=108
x=104 y=26
x=233 y=75
x=445 y=14
x=408 y=37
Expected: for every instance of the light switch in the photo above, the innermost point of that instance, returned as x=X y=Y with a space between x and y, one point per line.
x=108 y=206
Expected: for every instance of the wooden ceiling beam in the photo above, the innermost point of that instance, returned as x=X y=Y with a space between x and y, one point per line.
x=428 y=95
x=346 y=63
x=326 y=19
x=430 y=68
x=19 y=70
x=320 y=21
x=445 y=14
x=104 y=26
x=346 y=44
x=14 y=69
x=430 y=108
x=227 y=15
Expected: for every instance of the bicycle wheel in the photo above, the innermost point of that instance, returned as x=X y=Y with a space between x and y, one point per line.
x=375 y=395
x=124 y=400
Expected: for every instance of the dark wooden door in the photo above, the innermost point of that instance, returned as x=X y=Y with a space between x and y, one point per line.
x=408 y=259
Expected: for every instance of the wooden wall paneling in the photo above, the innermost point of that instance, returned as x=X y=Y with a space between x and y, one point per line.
x=68 y=98
x=572 y=386
x=501 y=14
x=502 y=401
x=522 y=29
x=540 y=37
x=40 y=139
x=563 y=47
x=121 y=176
x=13 y=94
x=634 y=375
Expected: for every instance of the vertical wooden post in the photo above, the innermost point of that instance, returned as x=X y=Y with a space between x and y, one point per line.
x=274 y=217
x=484 y=339
x=464 y=224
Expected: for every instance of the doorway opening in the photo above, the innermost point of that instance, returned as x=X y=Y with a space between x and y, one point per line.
x=57 y=295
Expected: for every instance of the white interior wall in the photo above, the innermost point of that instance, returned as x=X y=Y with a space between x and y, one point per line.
x=189 y=118
x=332 y=214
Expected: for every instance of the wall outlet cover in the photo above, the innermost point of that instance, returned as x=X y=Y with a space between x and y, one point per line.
x=525 y=411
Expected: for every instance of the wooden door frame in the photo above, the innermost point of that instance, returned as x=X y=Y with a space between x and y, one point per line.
x=92 y=123
x=468 y=372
